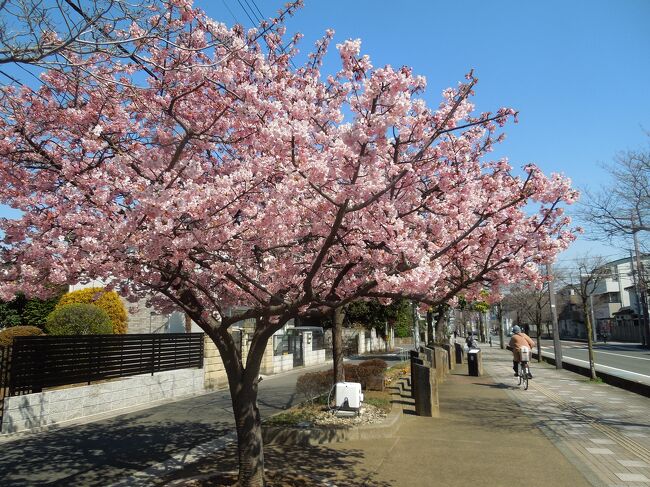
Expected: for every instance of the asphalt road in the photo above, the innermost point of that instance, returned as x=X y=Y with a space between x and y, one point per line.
x=103 y=452
x=622 y=359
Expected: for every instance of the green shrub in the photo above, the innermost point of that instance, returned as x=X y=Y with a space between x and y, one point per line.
x=8 y=315
x=369 y=374
x=7 y=335
x=78 y=319
x=374 y=362
x=314 y=384
x=109 y=301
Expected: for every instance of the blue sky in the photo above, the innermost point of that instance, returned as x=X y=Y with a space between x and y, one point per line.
x=578 y=71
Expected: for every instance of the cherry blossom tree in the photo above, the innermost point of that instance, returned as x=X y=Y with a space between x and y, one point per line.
x=227 y=179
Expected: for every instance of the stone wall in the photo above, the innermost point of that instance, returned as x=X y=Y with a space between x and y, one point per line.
x=282 y=363
x=62 y=405
x=215 y=373
x=311 y=357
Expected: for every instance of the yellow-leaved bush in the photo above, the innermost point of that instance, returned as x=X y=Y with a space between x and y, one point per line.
x=109 y=301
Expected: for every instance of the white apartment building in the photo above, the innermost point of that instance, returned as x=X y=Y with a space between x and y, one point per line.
x=615 y=302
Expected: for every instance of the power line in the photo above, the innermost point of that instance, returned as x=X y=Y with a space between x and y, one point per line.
x=258 y=9
x=234 y=17
x=246 y=12
x=259 y=20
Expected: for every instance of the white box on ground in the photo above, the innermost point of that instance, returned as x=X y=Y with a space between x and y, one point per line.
x=348 y=395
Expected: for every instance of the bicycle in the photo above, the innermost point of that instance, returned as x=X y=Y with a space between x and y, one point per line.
x=523 y=369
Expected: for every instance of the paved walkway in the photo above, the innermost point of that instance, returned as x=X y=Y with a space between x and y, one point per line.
x=563 y=431
x=604 y=431
x=117 y=449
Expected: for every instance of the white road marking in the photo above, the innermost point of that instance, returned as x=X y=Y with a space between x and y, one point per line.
x=600 y=366
x=611 y=353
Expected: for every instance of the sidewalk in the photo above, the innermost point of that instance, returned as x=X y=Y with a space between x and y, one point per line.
x=563 y=431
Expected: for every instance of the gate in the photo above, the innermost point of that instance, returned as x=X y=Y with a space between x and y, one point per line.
x=295 y=347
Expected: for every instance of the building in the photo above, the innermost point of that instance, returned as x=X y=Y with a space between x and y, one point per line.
x=614 y=303
x=569 y=313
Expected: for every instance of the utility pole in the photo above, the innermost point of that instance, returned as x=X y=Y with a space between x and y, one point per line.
x=557 y=345
x=643 y=291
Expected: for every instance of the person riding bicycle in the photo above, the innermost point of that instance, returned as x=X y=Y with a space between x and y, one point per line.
x=519 y=339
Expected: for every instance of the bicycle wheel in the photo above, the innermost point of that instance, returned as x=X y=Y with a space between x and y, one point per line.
x=520 y=373
x=525 y=377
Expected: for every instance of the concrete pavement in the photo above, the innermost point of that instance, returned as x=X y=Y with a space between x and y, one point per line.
x=103 y=452
x=563 y=431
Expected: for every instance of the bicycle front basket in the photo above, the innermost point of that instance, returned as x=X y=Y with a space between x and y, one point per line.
x=524 y=354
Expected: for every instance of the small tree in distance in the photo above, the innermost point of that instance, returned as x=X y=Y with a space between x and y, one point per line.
x=532 y=305
x=229 y=179
x=586 y=276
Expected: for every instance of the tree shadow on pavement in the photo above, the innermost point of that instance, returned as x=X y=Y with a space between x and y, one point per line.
x=318 y=463
x=100 y=454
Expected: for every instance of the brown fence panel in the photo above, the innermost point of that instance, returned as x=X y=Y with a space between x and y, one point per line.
x=39 y=362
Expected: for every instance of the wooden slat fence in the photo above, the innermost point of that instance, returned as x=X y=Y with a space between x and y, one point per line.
x=39 y=362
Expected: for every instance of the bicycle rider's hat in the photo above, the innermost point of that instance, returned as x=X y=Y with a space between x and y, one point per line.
x=516 y=329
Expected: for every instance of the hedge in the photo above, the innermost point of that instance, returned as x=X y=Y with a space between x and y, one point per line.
x=7 y=335
x=370 y=374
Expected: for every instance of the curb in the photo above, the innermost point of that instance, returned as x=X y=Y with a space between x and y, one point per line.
x=613 y=380
x=277 y=435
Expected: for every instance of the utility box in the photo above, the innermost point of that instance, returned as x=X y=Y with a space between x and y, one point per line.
x=348 y=396
x=474 y=362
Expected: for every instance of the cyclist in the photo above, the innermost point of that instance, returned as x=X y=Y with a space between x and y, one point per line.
x=519 y=339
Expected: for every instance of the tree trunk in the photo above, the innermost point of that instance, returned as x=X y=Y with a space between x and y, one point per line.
x=243 y=384
x=432 y=334
x=590 y=343
x=249 y=437
x=337 y=344
x=188 y=323
x=481 y=327
x=463 y=328
x=440 y=337
x=500 y=318
x=539 y=337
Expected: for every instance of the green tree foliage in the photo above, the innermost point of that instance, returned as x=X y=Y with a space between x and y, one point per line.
x=79 y=319
x=27 y=312
x=37 y=310
x=373 y=314
x=9 y=316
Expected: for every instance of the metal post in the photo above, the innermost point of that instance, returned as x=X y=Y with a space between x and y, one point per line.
x=557 y=345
